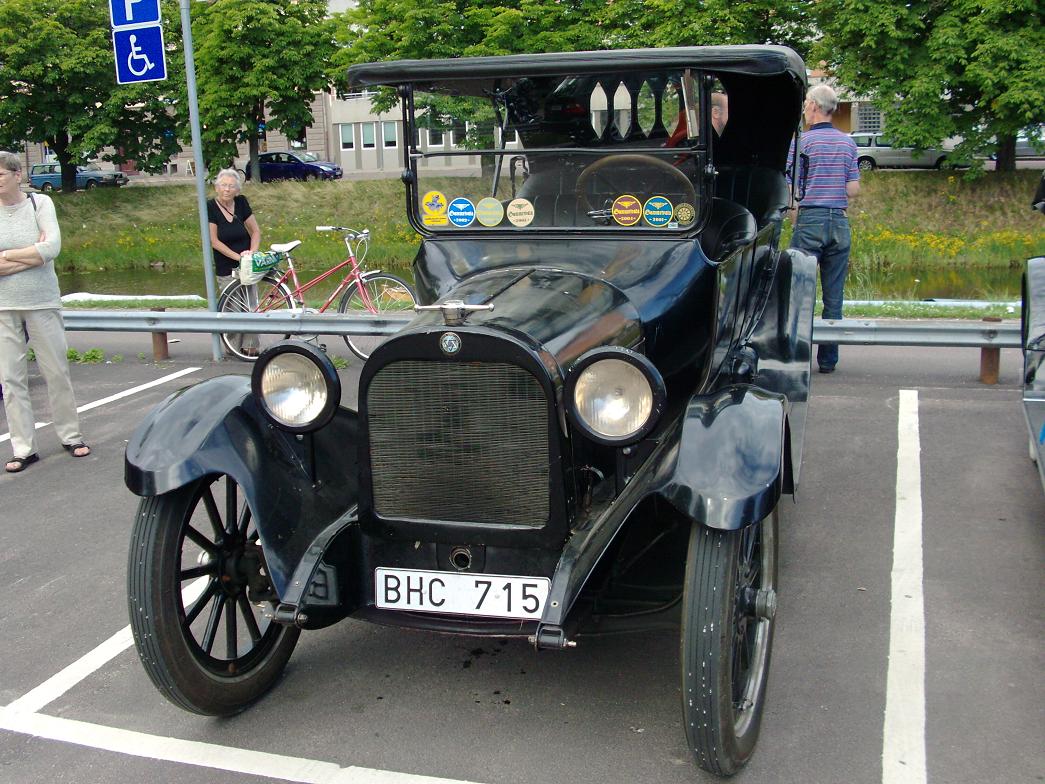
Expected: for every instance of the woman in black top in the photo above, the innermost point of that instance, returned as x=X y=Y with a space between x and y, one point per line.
x=233 y=230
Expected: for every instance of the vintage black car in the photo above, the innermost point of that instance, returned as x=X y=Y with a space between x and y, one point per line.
x=588 y=426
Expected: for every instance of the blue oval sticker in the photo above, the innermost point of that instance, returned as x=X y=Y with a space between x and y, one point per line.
x=461 y=212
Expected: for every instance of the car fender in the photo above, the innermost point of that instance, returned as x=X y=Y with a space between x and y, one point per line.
x=295 y=488
x=726 y=467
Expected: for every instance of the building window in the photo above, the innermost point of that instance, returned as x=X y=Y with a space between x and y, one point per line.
x=368 y=135
x=868 y=119
x=435 y=138
x=348 y=136
x=388 y=130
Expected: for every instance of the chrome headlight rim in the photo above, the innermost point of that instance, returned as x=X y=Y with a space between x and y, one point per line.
x=637 y=360
x=327 y=371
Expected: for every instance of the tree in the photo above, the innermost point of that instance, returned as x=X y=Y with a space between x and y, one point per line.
x=258 y=65
x=58 y=86
x=642 y=23
x=972 y=68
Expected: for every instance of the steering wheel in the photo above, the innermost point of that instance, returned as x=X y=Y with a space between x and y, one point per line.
x=630 y=162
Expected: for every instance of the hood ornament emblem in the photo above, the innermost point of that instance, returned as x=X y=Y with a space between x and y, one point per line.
x=454 y=311
x=450 y=343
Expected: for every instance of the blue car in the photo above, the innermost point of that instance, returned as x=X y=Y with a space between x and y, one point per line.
x=48 y=176
x=295 y=166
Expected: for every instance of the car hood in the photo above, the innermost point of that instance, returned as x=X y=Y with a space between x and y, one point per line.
x=564 y=313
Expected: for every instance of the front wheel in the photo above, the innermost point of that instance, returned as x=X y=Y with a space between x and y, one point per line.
x=384 y=294
x=90 y=185
x=727 y=636
x=866 y=164
x=47 y=187
x=265 y=296
x=195 y=576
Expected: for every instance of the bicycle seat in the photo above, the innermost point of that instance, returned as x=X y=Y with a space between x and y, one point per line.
x=285 y=247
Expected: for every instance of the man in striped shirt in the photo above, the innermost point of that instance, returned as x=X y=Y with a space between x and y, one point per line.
x=830 y=179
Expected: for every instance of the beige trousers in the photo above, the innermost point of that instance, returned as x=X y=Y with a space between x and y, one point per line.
x=47 y=337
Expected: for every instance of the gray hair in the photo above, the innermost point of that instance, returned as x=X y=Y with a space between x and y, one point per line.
x=229 y=173
x=10 y=161
x=824 y=97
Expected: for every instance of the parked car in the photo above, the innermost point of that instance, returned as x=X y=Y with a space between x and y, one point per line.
x=294 y=166
x=588 y=426
x=1031 y=146
x=876 y=151
x=48 y=176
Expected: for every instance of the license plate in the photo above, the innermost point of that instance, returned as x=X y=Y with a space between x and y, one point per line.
x=459 y=593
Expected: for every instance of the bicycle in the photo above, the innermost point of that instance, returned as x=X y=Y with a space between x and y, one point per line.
x=362 y=292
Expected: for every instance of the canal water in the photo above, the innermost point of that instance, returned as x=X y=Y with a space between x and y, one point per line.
x=909 y=283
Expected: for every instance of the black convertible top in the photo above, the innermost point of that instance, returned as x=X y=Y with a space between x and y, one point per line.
x=741 y=60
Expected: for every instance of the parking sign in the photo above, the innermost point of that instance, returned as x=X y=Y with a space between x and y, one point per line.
x=139 y=54
x=134 y=12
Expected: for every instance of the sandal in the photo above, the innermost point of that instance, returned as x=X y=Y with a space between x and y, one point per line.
x=21 y=463
x=71 y=449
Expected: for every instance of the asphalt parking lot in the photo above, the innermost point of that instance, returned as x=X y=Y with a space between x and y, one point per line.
x=909 y=644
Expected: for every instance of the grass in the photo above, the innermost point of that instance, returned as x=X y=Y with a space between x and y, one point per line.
x=912 y=231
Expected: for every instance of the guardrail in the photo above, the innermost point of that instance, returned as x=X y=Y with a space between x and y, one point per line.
x=971 y=334
x=988 y=336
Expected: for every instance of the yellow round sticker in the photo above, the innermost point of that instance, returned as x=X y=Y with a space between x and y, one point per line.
x=489 y=211
x=520 y=212
x=626 y=210
x=685 y=214
x=434 y=203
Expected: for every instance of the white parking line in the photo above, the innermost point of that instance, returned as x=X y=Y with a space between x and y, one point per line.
x=205 y=755
x=118 y=396
x=903 y=747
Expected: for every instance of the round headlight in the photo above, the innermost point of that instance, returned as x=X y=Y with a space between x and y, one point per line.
x=297 y=386
x=616 y=395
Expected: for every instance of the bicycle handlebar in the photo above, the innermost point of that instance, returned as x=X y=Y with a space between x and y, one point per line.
x=351 y=234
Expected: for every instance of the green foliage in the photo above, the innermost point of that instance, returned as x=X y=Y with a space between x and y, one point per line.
x=57 y=85
x=641 y=23
x=258 y=61
x=116 y=358
x=92 y=356
x=974 y=68
x=73 y=355
x=30 y=355
x=340 y=363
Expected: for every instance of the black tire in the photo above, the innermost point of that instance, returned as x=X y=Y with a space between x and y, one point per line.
x=388 y=294
x=727 y=637
x=47 y=187
x=941 y=163
x=866 y=164
x=268 y=295
x=188 y=539
x=90 y=185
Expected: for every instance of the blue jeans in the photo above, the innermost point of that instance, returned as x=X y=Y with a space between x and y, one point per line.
x=824 y=232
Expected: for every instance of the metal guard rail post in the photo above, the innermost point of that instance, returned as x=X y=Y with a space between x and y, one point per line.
x=970 y=334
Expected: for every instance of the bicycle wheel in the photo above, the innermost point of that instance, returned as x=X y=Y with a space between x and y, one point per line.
x=387 y=294
x=267 y=295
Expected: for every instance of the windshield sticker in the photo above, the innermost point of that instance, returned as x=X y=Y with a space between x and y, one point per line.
x=685 y=214
x=489 y=211
x=657 y=211
x=433 y=207
x=434 y=203
x=520 y=212
x=626 y=210
x=461 y=212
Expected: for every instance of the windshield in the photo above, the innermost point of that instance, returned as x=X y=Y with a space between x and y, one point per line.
x=308 y=157
x=592 y=152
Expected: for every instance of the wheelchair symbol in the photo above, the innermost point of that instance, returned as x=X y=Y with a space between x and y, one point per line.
x=137 y=55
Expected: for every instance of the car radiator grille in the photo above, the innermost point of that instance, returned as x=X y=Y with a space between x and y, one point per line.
x=459 y=442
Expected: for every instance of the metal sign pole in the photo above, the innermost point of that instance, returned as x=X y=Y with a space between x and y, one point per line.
x=201 y=187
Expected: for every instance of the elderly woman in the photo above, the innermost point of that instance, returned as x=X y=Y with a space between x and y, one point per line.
x=233 y=232
x=29 y=242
